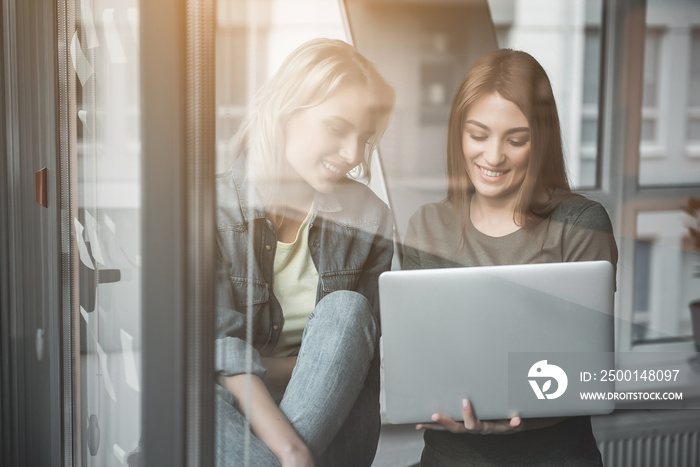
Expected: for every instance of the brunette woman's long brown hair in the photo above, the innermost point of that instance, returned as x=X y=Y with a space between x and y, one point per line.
x=519 y=78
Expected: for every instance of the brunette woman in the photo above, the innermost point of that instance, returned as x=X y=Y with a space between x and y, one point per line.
x=508 y=202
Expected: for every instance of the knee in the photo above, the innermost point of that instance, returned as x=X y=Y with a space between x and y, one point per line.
x=346 y=309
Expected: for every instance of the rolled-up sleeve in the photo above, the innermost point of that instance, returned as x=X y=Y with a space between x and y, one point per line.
x=232 y=358
x=231 y=352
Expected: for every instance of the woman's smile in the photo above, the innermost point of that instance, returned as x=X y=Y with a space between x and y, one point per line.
x=490 y=173
x=326 y=141
x=336 y=169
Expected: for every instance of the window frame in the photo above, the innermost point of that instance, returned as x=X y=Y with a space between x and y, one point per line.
x=177 y=76
x=624 y=26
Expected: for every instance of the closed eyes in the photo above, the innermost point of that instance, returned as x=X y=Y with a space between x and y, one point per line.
x=517 y=143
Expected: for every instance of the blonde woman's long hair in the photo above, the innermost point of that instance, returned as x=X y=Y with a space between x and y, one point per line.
x=309 y=75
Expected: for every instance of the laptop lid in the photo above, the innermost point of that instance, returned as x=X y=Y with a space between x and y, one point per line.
x=523 y=339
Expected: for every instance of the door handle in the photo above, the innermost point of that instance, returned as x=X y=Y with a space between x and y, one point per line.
x=90 y=275
x=90 y=279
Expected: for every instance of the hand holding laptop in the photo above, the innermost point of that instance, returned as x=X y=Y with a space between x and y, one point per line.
x=471 y=424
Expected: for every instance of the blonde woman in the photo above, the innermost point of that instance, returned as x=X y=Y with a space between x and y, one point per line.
x=301 y=246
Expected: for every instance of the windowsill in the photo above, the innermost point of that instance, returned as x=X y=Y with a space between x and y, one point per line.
x=650 y=150
x=692 y=151
x=685 y=381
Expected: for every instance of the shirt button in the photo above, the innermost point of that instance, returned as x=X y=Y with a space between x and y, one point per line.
x=268 y=247
x=276 y=327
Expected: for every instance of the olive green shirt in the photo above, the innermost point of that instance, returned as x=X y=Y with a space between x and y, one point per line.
x=577 y=230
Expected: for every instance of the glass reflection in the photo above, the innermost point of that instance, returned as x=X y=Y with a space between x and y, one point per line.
x=105 y=55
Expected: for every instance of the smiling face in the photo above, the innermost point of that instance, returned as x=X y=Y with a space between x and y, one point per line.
x=496 y=147
x=324 y=142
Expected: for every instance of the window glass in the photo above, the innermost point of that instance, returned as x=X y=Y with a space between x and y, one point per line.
x=666 y=275
x=651 y=67
x=670 y=154
x=695 y=67
x=694 y=99
x=693 y=129
x=104 y=52
x=252 y=40
x=665 y=256
x=650 y=89
x=591 y=65
x=589 y=109
x=280 y=26
x=565 y=38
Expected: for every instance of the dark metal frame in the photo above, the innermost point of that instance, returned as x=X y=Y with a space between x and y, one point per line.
x=177 y=76
x=30 y=237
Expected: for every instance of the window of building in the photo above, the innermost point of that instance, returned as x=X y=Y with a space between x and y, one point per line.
x=670 y=112
x=565 y=38
x=650 y=96
x=589 y=107
x=251 y=43
x=693 y=133
x=655 y=248
x=664 y=259
x=665 y=279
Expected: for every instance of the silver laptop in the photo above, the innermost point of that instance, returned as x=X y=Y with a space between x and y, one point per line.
x=521 y=339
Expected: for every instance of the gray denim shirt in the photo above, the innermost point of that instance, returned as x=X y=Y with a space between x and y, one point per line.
x=350 y=240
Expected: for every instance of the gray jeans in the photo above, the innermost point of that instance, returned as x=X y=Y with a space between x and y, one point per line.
x=331 y=400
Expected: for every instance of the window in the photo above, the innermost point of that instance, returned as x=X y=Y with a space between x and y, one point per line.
x=665 y=257
x=665 y=277
x=565 y=38
x=670 y=99
x=281 y=26
x=104 y=52
x=589 y=107
x=657 y=259
x=693 y=134
x=650 y=95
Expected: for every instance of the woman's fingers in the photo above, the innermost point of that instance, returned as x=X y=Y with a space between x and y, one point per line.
x=471 y=423
x=474 y=425
x=448 y=423
x=442 y=423
x=430 y=426
x=515 y=422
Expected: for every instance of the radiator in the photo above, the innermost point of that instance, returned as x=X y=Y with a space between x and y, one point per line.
x=657 y=450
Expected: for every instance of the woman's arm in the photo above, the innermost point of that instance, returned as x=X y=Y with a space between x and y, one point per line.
x=267 y=421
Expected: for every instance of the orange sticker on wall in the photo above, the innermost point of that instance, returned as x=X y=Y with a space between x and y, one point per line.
x=40 y=187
